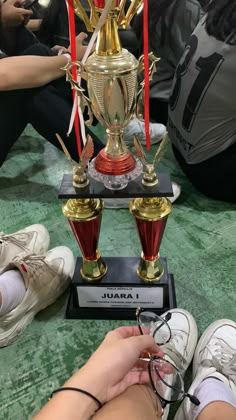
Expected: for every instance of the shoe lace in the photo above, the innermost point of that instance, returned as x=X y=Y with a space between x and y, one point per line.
x=10 y=238
x=170 y=350
x=31 y=262
x=223 y=360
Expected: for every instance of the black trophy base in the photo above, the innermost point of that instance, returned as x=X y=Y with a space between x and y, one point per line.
x=119 y=293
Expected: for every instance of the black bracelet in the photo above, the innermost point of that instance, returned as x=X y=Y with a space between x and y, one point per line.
x=82 y=391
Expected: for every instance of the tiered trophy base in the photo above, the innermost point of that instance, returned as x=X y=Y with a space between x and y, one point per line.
x=119 y=293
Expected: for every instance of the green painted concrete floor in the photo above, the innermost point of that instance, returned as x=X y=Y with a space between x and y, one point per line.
x=199 y=243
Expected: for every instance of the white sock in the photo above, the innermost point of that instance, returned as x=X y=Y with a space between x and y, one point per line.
x=211 y=390
x=12 y=289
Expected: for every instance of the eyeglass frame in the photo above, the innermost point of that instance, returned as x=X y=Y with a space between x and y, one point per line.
x=139 y=310
x=150 y=360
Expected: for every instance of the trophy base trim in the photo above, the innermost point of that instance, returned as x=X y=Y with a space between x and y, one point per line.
x=91 y=301
x=93 y=270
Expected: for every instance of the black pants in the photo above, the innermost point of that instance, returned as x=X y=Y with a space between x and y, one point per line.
x=215 y=177
x=48 y=109
x=158 y=111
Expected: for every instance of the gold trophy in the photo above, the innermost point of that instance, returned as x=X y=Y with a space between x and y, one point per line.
x=85 y=216
x=151 y=215
x=112 y=81
x=111 y=73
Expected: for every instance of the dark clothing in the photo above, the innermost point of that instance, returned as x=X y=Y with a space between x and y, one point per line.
x=214 y=177
x=158 y=111
x=47 y=108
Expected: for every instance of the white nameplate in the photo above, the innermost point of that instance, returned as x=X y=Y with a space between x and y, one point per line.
x=120 y=297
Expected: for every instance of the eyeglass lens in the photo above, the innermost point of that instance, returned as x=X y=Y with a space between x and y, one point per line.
x=157 y=327
x=166 y=380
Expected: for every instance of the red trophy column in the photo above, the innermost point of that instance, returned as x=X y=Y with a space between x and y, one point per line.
x=151 y=215
x=84 y=216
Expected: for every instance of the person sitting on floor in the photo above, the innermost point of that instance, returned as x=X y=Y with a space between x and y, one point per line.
x=171 y=24
x=114 y=383
x=31 y=278
x=202 y=119
x=33 y=88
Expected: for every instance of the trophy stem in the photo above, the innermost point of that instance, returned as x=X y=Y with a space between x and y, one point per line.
x=84 y=217
x=151 y=215
x=108 y=41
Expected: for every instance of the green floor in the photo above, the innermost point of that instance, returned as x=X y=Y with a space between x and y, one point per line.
x=199 y=243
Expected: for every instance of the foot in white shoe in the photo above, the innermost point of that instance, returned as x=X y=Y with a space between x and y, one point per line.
x=184 y=334
x=181 y=346
x=176 y=191
x=46 y=278
x=214 y=357
x=33 y=239
x=136 y=128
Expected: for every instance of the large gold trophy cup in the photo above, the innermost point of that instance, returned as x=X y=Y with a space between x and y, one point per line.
x=114 y=288
x=112 y=83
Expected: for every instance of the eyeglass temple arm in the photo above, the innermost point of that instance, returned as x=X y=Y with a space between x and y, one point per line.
x=166 y=319
x=194 y=400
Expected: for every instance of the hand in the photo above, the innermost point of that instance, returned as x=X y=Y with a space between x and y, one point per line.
x=12 y=16
x=115 y=364
x=80 y=48
x=58 y=48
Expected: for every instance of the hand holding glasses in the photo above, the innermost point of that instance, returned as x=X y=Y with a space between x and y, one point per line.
x=165 y=379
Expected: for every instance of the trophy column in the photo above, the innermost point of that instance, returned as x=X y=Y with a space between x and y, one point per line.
x=84 y=217
x=151 y=215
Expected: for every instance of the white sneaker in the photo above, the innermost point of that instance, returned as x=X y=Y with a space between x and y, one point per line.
x=180 y=349
x=215 y=356
x=136 y=128
x=46 y=278
x=31 y=240
x=176 y=191
x=123 y=203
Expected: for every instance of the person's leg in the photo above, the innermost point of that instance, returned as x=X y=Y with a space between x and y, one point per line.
x=138 y=402
x=49 y=113
x=24 y=39
x=158 y=111
x=215 y=177
x=214 y=373
x=13 y=109
x=50 y=109
x=218 y=411
x=13 y=119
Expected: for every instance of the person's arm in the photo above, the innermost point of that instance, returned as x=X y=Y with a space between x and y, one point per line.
x=107 y=374
x=27 y=71
x=30 y=71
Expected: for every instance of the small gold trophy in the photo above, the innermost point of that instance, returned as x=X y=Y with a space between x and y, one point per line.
x=151 y=215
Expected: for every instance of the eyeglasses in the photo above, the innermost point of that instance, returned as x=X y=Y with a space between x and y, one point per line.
x=165 y=378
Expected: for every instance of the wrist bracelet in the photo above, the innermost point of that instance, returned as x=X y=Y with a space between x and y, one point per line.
x=82 y=391
x=68 y=56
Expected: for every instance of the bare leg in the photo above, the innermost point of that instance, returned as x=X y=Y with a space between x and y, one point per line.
x=138 y=402
x=217 y=411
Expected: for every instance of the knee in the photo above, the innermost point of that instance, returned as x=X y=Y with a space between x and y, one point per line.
x=38 y=49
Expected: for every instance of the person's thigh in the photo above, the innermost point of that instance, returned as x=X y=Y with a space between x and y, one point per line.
x=49 y=113
x=138 y=402
x=215 y=177
x=158 y=111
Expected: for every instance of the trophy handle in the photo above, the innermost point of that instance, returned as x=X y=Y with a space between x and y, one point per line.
x=135 y=5
x=152 y=68
x=80 y=12
x=94 y=18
